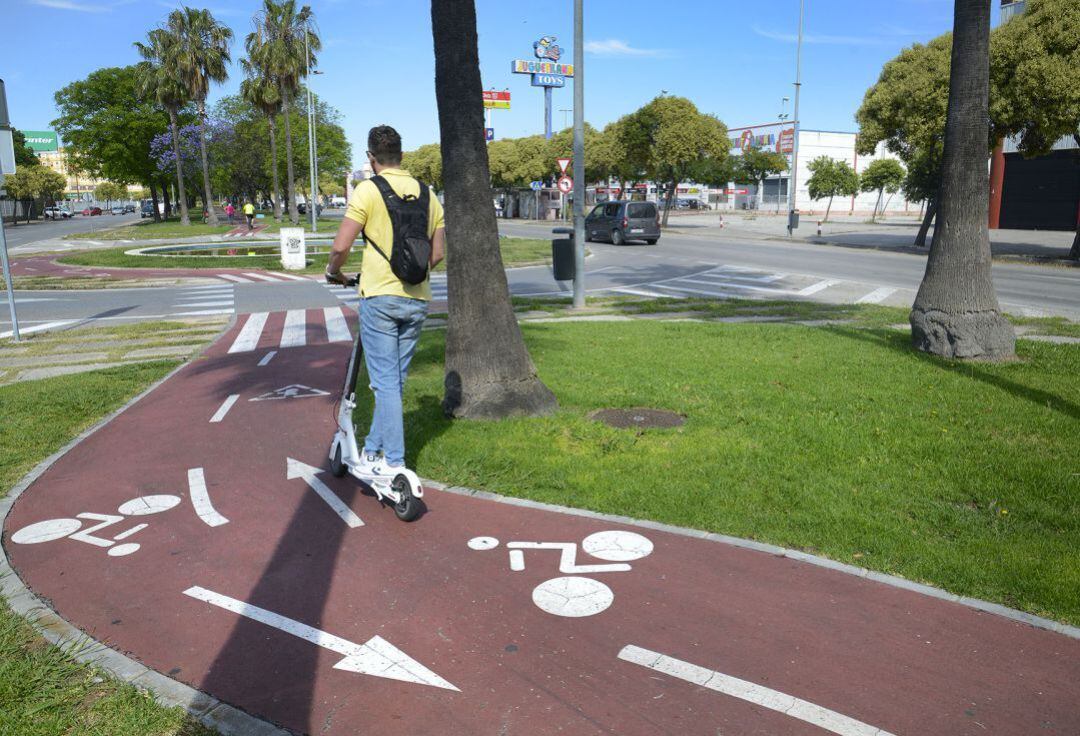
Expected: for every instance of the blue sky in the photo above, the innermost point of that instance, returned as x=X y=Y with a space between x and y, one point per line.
x=733 y=58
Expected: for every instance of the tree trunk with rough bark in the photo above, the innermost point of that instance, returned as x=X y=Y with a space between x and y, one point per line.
x=1074 y=252
x=956 y=312
x=489 y=374
x=828 y=209
x=290 y=184
x=165 y=199
x=180 y=193
x=211 y=215
x=669 y=197
x=277 y=177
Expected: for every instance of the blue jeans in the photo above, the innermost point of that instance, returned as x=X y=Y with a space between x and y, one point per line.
x=389 y=329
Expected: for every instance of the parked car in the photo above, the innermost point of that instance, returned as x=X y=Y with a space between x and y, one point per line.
x=147 y=210
x=56 y=213
x=90 y=211
x=620 y=222
x=302 y=209
x=129 y=209
x=116 y=209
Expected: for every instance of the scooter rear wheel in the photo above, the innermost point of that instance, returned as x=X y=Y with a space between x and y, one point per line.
x=337 y=467
x=408 y=508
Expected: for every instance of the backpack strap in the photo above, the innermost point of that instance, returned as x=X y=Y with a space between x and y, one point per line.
x=390 y=199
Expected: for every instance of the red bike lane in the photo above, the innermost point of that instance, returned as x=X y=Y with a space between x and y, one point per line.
x=199 y=533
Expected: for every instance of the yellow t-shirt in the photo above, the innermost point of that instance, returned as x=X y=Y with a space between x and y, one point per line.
x=366 y=207
x=249 y=209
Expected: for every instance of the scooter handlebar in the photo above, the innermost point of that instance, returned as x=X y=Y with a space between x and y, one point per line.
x=349 y=282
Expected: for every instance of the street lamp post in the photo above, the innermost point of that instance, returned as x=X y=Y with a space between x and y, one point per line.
x=313 y=144
x=7 y=166
x=793 y=183
x=579 y=157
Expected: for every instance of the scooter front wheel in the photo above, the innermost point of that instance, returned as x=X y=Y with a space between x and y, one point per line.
x=408 y=507
x=337 y=467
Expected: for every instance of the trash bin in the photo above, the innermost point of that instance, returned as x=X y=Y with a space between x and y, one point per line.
x=562 y=254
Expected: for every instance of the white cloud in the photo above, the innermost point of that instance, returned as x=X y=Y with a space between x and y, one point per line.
x=615 y=47
x=819 y=38
x=71 y=5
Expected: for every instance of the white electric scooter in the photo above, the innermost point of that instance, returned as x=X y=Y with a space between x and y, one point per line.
x=402 y=490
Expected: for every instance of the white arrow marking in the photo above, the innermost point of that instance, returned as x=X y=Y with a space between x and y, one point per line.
x=376 y=656
x=297 y=469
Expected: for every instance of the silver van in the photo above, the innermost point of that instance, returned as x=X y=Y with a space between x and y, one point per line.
x=620 y=222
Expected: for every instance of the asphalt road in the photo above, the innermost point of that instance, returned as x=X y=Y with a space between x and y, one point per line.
x=20 y=238
x=680 y=265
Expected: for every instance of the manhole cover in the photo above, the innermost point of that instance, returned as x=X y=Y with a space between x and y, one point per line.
x=638 y=418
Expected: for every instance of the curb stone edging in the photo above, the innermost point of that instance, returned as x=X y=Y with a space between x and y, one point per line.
x=231 y=721
x=891 y=580
x=83 y=648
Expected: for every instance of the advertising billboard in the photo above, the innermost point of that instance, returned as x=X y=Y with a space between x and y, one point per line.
x=41 y=140
x=497 y=100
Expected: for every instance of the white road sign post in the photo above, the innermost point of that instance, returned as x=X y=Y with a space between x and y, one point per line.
x=293 y=248
x=579 y=156
x=7 y=166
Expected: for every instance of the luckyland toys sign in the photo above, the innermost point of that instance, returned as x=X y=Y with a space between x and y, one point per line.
x=545 y=68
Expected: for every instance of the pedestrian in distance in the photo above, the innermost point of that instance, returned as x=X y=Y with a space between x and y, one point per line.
x=249 y=213
x=395 y=286
x=230 y=211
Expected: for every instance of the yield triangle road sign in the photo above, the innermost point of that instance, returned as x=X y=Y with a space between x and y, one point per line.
x=563 y=164
x=294 y=391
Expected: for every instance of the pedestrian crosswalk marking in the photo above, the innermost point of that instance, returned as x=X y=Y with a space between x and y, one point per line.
x=336 y=328
x=248 y=338
x=237 y=279
x=259 y=276
x=294 y=333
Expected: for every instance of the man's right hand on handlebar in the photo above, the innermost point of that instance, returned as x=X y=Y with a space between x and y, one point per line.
x=337 y=277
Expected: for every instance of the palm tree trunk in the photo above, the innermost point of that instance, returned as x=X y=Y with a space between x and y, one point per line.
x=211 y=215
x=489 y=374
x=956 y=312
x=290 y=183
x=180 y=193
x=277 y=177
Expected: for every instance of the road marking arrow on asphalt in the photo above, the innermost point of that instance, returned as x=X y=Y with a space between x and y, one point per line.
x=297 y=469
x=376 y=657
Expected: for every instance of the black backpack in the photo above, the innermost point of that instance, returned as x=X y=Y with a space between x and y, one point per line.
x=411 y=251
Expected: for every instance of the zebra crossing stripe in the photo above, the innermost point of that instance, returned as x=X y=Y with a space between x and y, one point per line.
x=294 y=334
x=815 y=288
x=260 y=276
x=877 y=296
x=248 y=338
x=292 y=276
x=337 y=330
x=237 y=279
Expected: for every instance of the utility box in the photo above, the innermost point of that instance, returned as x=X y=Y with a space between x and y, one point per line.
x=293 y=249
x=562 y=254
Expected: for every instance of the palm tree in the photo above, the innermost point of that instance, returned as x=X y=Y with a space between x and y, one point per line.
x=199 y=53
x=156 y=81
x=489 y=373
x=263 y=91
x=277 y=47
x=956 y=312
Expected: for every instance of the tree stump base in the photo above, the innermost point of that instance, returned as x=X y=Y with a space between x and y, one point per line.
x=968 y=335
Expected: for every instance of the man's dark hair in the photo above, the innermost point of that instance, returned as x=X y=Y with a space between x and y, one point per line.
x=384 y=144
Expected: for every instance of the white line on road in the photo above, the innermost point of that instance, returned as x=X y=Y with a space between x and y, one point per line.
x=204 y=313
x=877 y=296
x=221 y=303
x=815 y=288
x=296 y=469
x=645 y=292
x=200 y=499
x=38 y=328
x=376 y=657
x=224 y=408
x=292 y=276
x=249 y=334
x=237 y=279
x=267 y=358
x=294 y=334
x=766 y=697
x=260 y=276
x=337 y=330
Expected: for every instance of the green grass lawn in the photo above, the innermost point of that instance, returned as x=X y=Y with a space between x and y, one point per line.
x=515 y=251
x=42 y=691
x=836 y=440
x=171 y=228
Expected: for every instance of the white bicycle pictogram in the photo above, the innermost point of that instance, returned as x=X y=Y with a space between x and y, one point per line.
x=569 y=596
